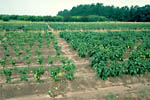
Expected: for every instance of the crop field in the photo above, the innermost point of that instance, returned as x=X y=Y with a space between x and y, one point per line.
x=74 y=60
x=109 y=50
x=23 y=27
x=100 y=26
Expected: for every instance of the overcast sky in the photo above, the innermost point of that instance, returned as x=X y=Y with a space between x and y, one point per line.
x=51 y=7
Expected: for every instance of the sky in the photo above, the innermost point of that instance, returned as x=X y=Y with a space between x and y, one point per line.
x=51 y=7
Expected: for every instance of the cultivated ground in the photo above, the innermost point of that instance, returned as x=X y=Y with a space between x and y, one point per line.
x=85 y=86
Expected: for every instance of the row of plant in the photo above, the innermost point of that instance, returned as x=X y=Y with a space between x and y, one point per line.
x=23 y=26
x=108 y=49
x=57 y=73
x=22 y=48
x=37 y=26
x=97 y=25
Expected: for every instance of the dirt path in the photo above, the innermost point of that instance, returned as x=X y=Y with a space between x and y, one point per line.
x=96 y=30
x=51 y=29
x=86 y=85
x=81 y=63
x=135 y=92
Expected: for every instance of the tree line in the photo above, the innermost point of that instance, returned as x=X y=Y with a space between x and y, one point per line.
x=133 y=13
x=90 y=18
x=91 y=13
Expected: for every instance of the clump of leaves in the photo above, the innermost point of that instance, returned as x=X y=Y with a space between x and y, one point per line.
x=39 y=45
x=12 y=62
x=38 y=51
x=48 y=43
x=23 y=73
x=27 y=58
x=8 y=73
x=54 y=73
x=38 y=72
x=3 y=61
x=65 y=71
x=40 y=60
x=50 y=60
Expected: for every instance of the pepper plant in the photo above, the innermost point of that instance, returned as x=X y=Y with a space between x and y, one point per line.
x=38 y=72
x=8 y=73
x=23 y=73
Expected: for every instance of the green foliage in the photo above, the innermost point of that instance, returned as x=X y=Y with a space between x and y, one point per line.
x=54 y=73
x=116 y=69
x=27 y=58
x=107 y=51
x=65 y=71
x=88 y=13
x=12 y=61
x=69 y=70
x=5 y=18
x=40 y=60
x=23 y=26
x=82 y=51
x=94 y=18
x=38 y=72
x=27 y=47
x=99 y=26
x=3 y=61
x=38 y=52
x=23 y=73
x=39 y=45
x=48 y=43
x=8 y=73
x=18 y=53
x=50 y=60
x=133 y=13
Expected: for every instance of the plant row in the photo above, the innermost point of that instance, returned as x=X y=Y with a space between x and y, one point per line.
x=96 y=25
x=108 y=51
x=57 y=73
x=16 y=46
x=23 y=26
x=24 y=46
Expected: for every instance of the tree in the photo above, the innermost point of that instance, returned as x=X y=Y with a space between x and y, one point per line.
x=5 y=18
x=58 y=18
x=84 y=18
x=67 y=18
x=48 y=18
x=134 y=13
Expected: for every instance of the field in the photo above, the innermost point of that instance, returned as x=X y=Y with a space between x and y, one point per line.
x=74 y=60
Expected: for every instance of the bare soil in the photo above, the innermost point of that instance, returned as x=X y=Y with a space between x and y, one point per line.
x=85 y=86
